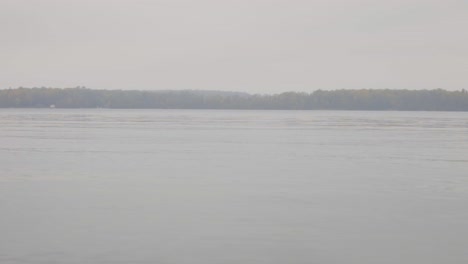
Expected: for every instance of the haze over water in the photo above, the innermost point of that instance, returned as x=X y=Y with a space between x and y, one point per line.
x=206 y=186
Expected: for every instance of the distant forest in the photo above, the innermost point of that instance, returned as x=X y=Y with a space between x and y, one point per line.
x=362 y=99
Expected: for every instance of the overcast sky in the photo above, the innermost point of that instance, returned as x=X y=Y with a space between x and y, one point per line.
x=255 y=46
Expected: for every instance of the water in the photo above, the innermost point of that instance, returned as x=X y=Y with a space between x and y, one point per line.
x=179 y=186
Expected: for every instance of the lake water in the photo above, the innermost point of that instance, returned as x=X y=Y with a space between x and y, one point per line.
x=234 y=187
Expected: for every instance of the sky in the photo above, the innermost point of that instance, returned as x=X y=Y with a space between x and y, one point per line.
x=256 y=46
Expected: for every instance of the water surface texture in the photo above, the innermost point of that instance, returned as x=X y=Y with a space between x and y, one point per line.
x=234 y=187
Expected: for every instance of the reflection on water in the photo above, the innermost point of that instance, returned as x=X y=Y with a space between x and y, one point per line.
x=180 y=186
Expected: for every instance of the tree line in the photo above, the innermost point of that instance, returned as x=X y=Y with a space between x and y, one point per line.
x=360 y=99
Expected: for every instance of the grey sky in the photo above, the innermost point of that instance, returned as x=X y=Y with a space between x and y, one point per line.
x=241 y=45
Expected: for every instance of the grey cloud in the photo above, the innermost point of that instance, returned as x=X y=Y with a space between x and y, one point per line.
x=257 y=45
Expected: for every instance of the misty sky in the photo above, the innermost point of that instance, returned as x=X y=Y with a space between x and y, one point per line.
x=239 y=45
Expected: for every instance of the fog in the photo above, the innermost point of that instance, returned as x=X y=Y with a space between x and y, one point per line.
x=255 y=46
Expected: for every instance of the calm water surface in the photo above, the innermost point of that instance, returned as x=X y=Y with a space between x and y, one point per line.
x=234 y=187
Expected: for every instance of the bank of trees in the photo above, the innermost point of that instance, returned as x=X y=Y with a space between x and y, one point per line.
x=363 y=99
